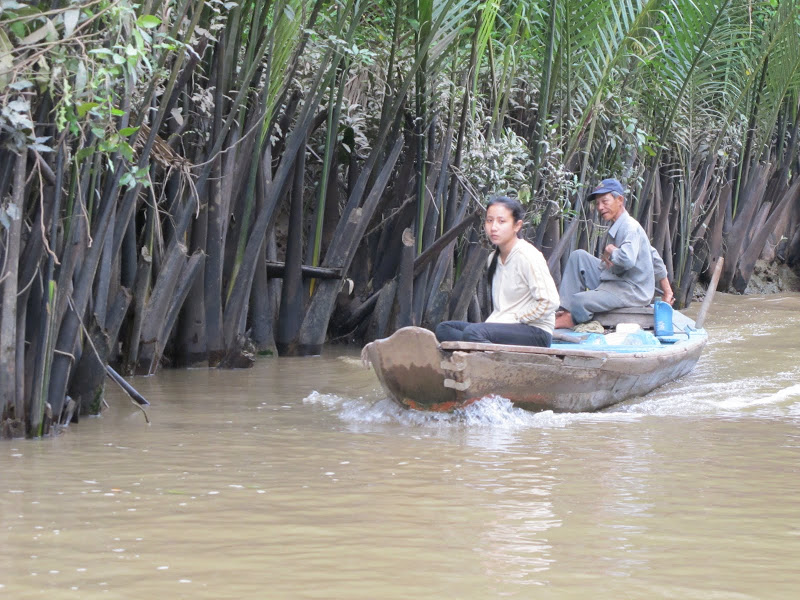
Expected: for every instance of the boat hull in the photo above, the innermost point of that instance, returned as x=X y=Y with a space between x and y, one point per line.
x=419 y=373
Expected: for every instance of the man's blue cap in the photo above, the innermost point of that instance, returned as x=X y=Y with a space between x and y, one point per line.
x=606 y=186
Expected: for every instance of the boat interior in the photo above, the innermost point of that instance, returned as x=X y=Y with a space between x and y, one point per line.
x=625 y=330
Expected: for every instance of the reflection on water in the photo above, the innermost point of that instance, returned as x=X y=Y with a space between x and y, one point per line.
x=299 y=479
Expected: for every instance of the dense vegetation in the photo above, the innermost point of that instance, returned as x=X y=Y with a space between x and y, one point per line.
x=192 y=181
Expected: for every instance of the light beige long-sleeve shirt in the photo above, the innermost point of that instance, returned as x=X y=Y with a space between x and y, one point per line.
x=523 y=291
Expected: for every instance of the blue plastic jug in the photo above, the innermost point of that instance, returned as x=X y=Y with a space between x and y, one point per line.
x=662 y=313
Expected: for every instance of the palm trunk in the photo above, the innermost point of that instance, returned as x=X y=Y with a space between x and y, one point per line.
x=11 y=400
x=290 y=316
x=405 y=283
x=261 y=296
x=315 y=323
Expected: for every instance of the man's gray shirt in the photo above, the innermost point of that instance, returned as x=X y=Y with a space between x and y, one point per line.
x=636 y=264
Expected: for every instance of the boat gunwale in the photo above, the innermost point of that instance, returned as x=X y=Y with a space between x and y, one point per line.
x=679 y=347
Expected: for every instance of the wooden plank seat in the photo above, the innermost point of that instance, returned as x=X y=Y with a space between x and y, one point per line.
x=641 y=315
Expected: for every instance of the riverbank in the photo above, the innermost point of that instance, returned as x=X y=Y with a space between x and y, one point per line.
x=772 y=278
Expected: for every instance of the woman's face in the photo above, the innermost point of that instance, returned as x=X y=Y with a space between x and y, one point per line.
x=500 y=226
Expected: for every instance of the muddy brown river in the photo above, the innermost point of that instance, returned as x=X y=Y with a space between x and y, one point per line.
x=298 y=479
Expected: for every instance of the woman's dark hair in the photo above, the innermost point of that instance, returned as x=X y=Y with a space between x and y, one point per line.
x=518 y=213
x=510 y=203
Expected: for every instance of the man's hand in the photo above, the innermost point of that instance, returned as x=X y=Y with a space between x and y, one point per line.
x=666 y=293
x=607 y=252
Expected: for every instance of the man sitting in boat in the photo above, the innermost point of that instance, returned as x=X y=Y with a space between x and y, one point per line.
x=623 y=277
x=524 y=295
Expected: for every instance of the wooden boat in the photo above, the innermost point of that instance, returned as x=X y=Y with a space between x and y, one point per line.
x=578 y=373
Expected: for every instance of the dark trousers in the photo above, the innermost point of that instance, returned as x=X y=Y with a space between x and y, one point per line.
x=517 y=334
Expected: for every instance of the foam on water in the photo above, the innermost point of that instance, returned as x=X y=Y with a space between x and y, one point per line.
x=739 y=403
x=741 y=397
x=687 y=398
x=327 y=400
x=492 y=412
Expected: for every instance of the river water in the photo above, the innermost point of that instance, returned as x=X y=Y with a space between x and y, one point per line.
x=298 y=479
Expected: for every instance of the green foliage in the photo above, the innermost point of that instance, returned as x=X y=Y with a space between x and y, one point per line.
x=93 y=59
x=498 y=165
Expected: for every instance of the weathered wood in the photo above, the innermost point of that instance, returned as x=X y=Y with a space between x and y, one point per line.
x=10 y=392
x=793 y=250
x=474 y=310
x=140 y=290
x=715 y=241
x=686 y=278
x=189 y=272
x=261 y=314
x=43 y=341
x=67 y=339
x=550 y=209
x=156 y=308
x=262 y=298
x=439 y=287
x=387 y=251
x=191 y=347
x=236 y=306
x=418 y=373
x=735 y=239
x=115 y=316
x=360 y=313
x=219 y=206
x=421 y=284
x=277 y=269
x=438 y=299
x=749 y=257
x=265 y=291
x=405 y=283
x=341 y=253
x=290 y=313
x=129 y=389
x=86 y=387
x=563 y=243
x=381 y=315
x=712 y=288
x=436 y=248
x=464 y=289
x=103 y=282
x=701 y=191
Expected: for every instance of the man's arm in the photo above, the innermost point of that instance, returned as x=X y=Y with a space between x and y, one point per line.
x=666 y=290
x=623 y=257
x=660 y=271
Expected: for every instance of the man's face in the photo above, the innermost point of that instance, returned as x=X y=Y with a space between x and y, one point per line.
x=610 y=206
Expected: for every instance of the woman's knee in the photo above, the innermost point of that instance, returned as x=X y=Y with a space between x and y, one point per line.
x=474 y=332
x=448 y=331
x=442 y=331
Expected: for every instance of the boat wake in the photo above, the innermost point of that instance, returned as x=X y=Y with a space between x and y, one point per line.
x=737 y=398
x=734 y=399
x=779 y=397
x=492 y=412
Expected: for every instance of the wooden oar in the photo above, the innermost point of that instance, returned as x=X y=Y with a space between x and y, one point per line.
x=712 y=287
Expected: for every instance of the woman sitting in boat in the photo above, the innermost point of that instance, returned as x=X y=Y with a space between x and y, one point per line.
x=524 y=295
